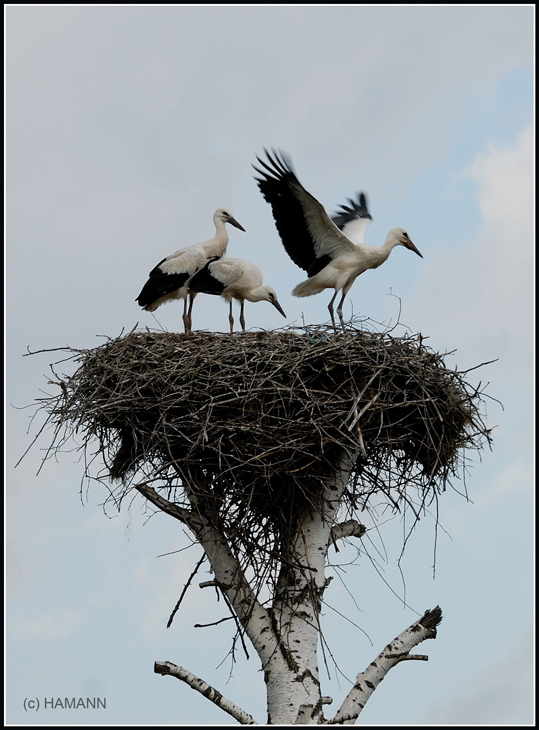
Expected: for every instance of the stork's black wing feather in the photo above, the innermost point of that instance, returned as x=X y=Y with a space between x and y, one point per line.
x=357 y=209
x=278 y=186
x=204 y=282
x=160 y=284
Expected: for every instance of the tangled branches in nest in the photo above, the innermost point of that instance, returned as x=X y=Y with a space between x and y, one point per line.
x=254 y=423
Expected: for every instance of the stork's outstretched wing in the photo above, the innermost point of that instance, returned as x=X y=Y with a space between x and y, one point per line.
x=309 y=236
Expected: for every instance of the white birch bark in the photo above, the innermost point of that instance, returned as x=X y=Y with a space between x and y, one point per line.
x=204 y=688
x=294 y=696
x=397 y=651
x=286 y=635
x=252 y=615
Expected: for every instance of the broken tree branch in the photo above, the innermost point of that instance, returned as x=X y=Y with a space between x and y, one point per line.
x=180 y=513
x=351 y=528
x=205 y=689
x=395 y=652
x=229 y=576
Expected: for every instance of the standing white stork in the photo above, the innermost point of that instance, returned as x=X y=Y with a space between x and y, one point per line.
x=234 y=279
x=170 y=278
x=330 y=250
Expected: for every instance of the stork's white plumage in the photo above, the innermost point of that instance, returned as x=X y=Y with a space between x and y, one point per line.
x=234 y=279
x=331 y=250
x=169 y=280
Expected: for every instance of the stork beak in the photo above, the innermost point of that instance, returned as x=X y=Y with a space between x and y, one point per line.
x=278 y=307
x=234 y=222
x=411 y=246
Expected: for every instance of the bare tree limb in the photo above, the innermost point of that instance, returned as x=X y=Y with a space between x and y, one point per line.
x=229 y=577
x=351 y=528
x=180 y=513
x=398 y=650
x=205 y=689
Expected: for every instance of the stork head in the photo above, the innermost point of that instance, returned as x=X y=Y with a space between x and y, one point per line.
x=224 y=215
x=266 y=293
x=399 y=237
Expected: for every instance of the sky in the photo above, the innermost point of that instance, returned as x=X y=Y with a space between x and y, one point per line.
x=126 y=127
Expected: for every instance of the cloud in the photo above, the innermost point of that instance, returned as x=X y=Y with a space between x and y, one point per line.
x=483 y=291
x=516 y=479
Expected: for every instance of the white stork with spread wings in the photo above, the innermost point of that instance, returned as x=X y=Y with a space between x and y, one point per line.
x=331 y=250
x=170 y=278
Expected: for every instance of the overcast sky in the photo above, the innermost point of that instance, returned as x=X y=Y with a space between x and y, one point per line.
x=127 y=126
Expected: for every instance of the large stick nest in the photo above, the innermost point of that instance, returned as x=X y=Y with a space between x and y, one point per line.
x=257 y=420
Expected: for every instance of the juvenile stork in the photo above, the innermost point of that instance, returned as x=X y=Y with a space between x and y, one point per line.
x=330 y=250
x=170 y=278
x=234 y=279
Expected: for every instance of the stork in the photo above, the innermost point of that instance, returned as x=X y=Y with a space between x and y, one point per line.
x=234 y=279
x=330 y=250
x=170 y=278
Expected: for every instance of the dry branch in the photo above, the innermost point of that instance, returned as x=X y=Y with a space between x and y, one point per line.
x=397 y=651
x=204 y=688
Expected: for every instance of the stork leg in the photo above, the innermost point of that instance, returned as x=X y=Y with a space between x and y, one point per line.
x=242 y=318
x=339 y=309
x=187 y=321
x=231 y=319
x=330 y=307
x=192 y=296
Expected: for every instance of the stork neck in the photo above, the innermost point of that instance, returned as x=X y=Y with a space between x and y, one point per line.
x=217 y=245
x=256 y=295
x=379 y=254
x=388 y=246
x=220 y=226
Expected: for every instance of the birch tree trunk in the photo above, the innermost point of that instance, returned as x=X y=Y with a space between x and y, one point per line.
x=285 y=635
x=294 y=695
